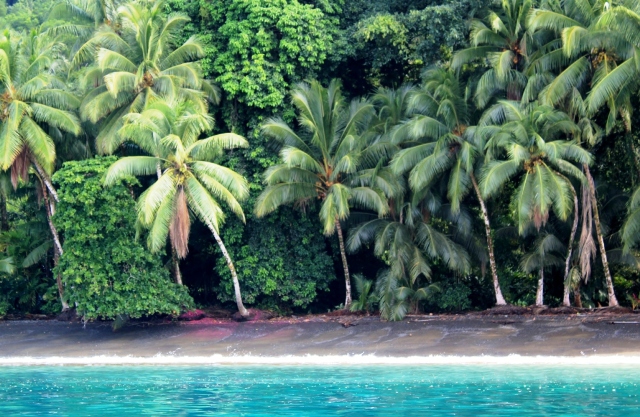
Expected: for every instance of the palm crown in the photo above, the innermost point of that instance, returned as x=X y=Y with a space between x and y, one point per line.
x=531 y=141
x=503 y=39
x=189 y=175
x=31 y=96
x=138 y=63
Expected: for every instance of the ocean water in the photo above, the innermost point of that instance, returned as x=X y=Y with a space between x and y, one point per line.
x=290 y=390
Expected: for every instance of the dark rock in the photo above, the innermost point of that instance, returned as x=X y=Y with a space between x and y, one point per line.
x=68 y=315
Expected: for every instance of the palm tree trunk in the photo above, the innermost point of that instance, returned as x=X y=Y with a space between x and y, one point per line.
x=56 y=259
x=634 y=157
x=577 y=298
x=176 y=267
x=487 y=229
x=57 y=247
x=236 y=284
x=4 y=221
x=613 y=301
x=540 y=291
x=45 y=179
x=567 y=263
x=347 y=280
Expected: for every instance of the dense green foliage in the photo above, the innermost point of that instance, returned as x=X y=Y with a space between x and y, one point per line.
x=106 y=271
x=441 y=155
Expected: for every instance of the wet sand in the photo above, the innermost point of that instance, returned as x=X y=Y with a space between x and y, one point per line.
x=426 y=336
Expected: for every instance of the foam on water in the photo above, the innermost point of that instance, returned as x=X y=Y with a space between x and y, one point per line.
x=159 y=359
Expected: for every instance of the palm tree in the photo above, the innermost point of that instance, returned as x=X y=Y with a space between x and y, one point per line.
x=529 y=141
x=502 y=39
x=83 y=16
x=189 y=179
x=320 y=160
x=137 y=63
x=32 y=97
x=543 y=255
x=406 y=240
x=438 y=143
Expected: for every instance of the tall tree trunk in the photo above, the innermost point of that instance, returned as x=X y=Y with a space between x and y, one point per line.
x=487 y=229
x=45 y=179
x=613 y=301
x=634 y=157
x=540 y=291
x=176 y=266
x=577 y=298
x=236 y=284
x=57 y=247
x=4 y=221
x=567 y=263
x=56 y=259
x=347 y=279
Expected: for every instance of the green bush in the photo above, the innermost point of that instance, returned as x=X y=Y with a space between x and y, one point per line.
x=4 y=306
x=106 y=271
x=282 y=266
x=452 y=297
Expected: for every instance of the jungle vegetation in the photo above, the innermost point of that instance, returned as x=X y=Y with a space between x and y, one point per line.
x=388 y=156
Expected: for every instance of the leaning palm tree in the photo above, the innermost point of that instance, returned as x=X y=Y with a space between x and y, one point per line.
x=33 y=97
x=438 y=144
x=138 y=62
x=501 y=38
x=320 y=160
x=189 y=179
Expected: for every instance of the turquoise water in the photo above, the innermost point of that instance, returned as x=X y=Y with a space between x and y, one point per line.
x=362 y=391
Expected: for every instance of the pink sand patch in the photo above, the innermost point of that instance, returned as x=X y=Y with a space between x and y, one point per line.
x=205 y=320
x=212 y=333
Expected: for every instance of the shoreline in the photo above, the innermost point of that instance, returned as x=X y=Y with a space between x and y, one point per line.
x=348 y=360
x=424 y=340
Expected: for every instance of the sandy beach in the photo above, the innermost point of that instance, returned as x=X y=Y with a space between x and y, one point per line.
x=585 y=338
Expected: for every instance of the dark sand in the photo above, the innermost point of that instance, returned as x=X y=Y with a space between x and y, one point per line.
x=565 y=336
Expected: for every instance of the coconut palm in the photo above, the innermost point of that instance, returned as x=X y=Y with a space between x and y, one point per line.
x=596 y=48
x=530 y=142
x=83 y=16
x=501 y=38
x=320 y=160
x=406 y=241
x=437 y=145
x=137 y=63
x=189 y=179
x=32 y=97
x=544 y=254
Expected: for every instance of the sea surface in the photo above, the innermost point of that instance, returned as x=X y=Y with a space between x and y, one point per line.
x=307 y=390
